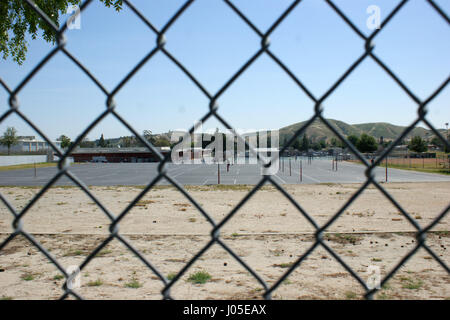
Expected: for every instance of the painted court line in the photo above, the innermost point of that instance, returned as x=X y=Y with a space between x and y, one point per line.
x=184 y=171
x=306 y=176
x=276 y=175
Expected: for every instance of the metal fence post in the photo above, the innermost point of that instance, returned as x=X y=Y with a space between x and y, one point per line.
x=290 y=171
x=218 y=173
x=301 y=171
x=386 y=169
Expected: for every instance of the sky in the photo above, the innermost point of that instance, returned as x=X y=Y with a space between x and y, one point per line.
x=212 y=42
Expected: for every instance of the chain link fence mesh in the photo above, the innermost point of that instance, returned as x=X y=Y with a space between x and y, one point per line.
x=213 y=111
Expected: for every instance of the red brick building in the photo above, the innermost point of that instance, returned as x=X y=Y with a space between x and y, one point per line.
x=117 y=155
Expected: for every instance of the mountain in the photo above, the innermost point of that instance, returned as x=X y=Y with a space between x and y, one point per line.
x=389 y=131
x=318 y=131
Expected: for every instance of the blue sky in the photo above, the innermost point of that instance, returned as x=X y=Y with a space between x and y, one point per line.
x=213 y=42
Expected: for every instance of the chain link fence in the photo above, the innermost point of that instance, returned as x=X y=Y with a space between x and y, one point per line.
x=213 y=112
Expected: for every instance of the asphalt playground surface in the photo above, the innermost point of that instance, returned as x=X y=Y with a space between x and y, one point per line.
x=108 y=174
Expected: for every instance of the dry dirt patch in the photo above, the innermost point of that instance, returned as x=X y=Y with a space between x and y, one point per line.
x=268 y=233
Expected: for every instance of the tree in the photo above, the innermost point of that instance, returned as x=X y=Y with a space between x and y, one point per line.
x=316 y=146
x=128 y=142
x=65 y=141
x=353 y=139
x=18 y=19
x=9 y=138
x=337 y=143
x=147 y=134
x=102 y=142
x=305 y=143
x=297 y=145
x=367 y=143
x=437 y=142
x=162 y=142
x=323 y=143
x=417 y=144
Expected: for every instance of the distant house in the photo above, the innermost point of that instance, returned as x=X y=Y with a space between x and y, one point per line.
x=29 y=144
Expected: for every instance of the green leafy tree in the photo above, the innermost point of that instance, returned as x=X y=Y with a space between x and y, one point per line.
x=353 y=139
x=336 y=143
x=128 y=142
x=367 y=143
x=417 y=144
x=18 y=20
x=9 y=138
x=297 y=145
x=305 y=143
x=65 y=141
x=316 y=146
x=323 y=144
x=101 y=142
x=147 y=134
x=437 y=142
x=161 y=142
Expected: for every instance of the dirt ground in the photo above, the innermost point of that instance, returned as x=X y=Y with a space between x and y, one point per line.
x=268 y=233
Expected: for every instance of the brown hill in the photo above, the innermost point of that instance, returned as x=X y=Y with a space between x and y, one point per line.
x=319 y=131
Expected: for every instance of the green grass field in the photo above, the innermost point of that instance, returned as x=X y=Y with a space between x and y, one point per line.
x=427 y=170
x=438 y=165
